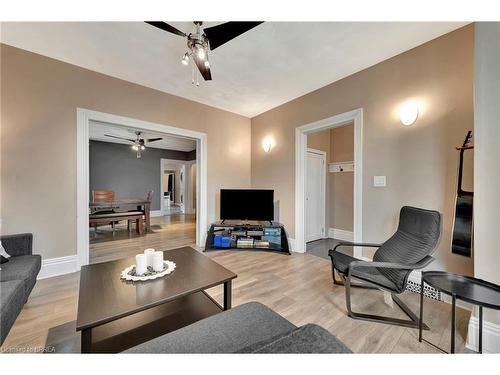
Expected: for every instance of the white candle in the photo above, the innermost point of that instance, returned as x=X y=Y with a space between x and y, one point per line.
x=158 y=261
x=141 y=265
x=149 y=256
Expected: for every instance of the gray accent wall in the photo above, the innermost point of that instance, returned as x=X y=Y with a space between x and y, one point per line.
x=114 y=166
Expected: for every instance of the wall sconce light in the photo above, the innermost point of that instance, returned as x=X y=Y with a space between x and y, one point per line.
x=408 y=113
x=267 y=144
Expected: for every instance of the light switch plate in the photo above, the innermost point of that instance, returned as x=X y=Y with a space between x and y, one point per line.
x=379 y=181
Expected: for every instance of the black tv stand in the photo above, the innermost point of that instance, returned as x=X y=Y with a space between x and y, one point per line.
x=256 y=236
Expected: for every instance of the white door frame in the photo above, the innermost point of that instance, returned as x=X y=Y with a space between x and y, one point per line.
x=188 y=199
x=323 y=187
x=83 y=118
x=301 y=133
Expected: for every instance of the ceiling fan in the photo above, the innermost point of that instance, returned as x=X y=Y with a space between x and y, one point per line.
x=200 y=41
x=139 y=144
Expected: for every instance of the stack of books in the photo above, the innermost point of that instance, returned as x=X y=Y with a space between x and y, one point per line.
x=261 y=244
x=245 y=243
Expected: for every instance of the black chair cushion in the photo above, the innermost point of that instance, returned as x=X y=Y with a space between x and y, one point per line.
x=373 y=275
x=417 y=236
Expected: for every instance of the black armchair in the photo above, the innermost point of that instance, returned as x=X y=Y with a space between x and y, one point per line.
x=410 y=248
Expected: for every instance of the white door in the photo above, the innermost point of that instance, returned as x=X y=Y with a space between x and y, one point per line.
x=315 y=195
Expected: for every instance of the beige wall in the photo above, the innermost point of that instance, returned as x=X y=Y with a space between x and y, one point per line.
x=341 y=185
x=419 y=161
x=38 y=141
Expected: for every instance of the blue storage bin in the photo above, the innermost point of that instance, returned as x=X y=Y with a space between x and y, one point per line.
x=226 y=242
x=218 y=240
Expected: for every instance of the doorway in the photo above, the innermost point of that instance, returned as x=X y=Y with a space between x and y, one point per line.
x=315 y=194
x=178 y=187
x=84 y=118
x=301 y=148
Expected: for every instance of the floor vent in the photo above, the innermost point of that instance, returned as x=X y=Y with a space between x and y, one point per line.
x=429 y=292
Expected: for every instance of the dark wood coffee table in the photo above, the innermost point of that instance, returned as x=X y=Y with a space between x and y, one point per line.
x=114 y=315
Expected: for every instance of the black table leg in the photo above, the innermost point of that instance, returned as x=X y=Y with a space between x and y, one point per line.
x=227 y=295
x=453 y=318
x=86 y=340
x=420 y=323
x=480 y=329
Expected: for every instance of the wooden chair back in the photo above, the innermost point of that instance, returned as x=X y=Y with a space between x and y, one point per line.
x=103 y=195
x=149 y=195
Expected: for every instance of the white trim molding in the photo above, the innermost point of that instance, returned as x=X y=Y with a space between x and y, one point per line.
x=58 y=266
x=491 y=336
x=291 y=245
x=301 y=133
x=83 y=118
x=340 y=234
x=155 y=213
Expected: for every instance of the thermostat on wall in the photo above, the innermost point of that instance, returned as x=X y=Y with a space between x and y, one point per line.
x=379 y=181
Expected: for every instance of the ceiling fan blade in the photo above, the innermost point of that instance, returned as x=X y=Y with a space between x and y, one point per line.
x=124 y=139
x=223 y=33
x=166 y=27
x=204 y=70
x=153 y=139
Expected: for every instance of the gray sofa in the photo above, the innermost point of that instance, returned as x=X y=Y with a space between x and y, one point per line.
x=248 y=328
x=17 y=278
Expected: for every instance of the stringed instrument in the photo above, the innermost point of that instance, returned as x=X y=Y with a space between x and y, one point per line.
x=461 y=242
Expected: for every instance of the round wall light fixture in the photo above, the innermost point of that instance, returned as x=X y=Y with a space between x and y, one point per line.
x=408 y=113
x=267 y=144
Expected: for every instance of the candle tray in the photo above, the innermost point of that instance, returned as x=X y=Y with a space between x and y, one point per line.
x=130 y=275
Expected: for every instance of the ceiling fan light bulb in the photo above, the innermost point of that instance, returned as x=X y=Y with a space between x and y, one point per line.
x=185 y=59
x=201 y=53
x=135 y=148
x=143 y=148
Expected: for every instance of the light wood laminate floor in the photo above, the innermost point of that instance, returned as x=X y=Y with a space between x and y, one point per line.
x=168 y=232
x=299 y=287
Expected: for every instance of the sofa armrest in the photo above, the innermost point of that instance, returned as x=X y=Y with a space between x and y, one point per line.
x=18 y=244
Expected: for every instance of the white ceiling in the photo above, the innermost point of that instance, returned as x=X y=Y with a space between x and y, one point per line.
x=97 y=131
x=261 y=69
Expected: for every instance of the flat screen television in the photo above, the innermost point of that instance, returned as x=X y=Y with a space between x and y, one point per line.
x=247 y=204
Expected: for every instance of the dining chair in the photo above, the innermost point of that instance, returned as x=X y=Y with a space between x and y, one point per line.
x=149 y=198
x=102 y=196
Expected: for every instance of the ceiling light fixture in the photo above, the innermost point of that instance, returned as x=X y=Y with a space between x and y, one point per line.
x=201 y=40
x=201 y=53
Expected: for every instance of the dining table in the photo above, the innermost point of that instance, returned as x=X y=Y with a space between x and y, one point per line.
x=140 y=204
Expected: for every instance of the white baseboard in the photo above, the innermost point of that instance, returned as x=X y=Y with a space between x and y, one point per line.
x=58 y=266
x=491 y=336
x=340 y=234
x=155 y=213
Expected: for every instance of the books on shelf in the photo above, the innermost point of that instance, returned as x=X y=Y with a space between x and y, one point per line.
x=245 y=242
x=261 y=244
x=272 y=232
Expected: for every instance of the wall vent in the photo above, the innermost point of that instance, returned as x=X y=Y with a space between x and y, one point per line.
x=429 y=292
